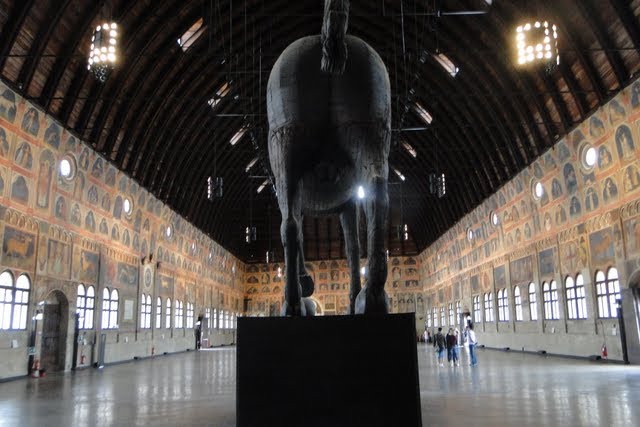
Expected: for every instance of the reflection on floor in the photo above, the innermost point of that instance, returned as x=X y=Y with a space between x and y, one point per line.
x=198 y=388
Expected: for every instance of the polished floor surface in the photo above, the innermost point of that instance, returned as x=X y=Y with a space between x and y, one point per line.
x=198 y=388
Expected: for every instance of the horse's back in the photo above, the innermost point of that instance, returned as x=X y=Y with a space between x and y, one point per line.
x=299 y=93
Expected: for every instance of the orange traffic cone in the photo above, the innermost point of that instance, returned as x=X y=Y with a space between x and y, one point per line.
x=604 y=351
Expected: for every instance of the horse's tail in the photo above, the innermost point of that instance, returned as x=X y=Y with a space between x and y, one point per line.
x=334 y=29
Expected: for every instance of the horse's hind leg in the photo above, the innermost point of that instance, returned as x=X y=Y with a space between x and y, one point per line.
x=372 y=298
x=290 y=231
x=349 y=221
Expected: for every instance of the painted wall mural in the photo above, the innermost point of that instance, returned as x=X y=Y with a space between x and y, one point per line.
x=82 y=235
x=18 y=249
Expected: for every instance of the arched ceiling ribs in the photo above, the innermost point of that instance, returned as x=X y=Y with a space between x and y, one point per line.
x=597 y=26
x=11 y=29
x=53 y=15
x=65 y=57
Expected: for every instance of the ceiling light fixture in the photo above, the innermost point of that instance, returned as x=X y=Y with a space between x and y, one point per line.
x=102 y=55
x=537 y=42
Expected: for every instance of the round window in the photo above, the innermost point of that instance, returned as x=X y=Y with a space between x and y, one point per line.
x=169 y=231
x=67 y=167
x=538 y=190
x=470 y=234
x=127 y=206
x=495 y=219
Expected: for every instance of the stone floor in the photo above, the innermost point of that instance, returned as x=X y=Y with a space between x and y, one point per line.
x=505 y=389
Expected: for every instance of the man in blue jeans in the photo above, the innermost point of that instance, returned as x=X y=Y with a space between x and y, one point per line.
x=471 y=336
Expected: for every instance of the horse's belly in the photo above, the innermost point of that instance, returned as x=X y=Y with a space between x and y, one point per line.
x=327 y=185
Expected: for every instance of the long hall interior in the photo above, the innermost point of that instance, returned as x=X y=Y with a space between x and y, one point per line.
x=140 y=211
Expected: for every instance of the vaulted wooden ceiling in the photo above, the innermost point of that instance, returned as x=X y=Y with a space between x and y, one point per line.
x=152 y=119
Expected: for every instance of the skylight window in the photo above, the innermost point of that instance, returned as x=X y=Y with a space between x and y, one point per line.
x=399 y=174
x=238 y=136
x=191 y=35
x=423 y=113
x=220 y=93
x=409 y=149
x=264 y=184
x=251 y=163
x=447 y=64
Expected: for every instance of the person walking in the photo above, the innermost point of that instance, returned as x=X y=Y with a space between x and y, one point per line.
x=472 y=344
x=452 y=348
x=440 y=344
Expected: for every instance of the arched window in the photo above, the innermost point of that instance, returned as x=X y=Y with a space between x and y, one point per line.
x=21 y=302
x=476 y=309
x=458 y=311
x=503 y=305
x=429 y=319
x=167 y=312
x=517 y=300
x=207 y=316
x=533 y=302
x=145 y=311
x=451 y=315
x=576 y=297
x=6 y=299
x=109 y=309
x=14 y=301
x=434 y=311
x=179 y=315
x=215 y=318
x=443 y=317
x=158 y=313
x=488 y=307
x=608 y=291
x=550 y=297
x=189 y=315
x=85 y=304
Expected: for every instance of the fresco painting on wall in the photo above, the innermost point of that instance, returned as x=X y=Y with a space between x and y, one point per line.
x=107 y=271
x=127 y=274
x=18 y=249
x=166 y=284
x=547 y=259
x=624 y=142
x=521 y=270
x=20 y=190
x=631 y=179
x=52 y=135
x=85 y=266
x=4 y=143
x=98 y=167
x=23 y=157
x=31 y=121
x=58 y=259
x=632 y=231
x=7 y=104
x=46 y=167
x=602 y=249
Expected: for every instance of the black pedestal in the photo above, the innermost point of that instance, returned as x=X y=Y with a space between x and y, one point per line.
x=328 y=371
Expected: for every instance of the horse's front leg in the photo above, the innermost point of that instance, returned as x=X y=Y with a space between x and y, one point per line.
x=372 y=298
x=349 y=221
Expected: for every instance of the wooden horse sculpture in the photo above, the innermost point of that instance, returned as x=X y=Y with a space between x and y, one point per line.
x=328 y=103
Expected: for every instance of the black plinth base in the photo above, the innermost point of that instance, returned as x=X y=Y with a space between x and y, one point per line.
x=328 y=371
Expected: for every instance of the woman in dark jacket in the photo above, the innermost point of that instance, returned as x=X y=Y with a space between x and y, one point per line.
x=452 y=348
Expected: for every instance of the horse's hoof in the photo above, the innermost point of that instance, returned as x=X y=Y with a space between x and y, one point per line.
x=307 y=285
x=371 y=301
